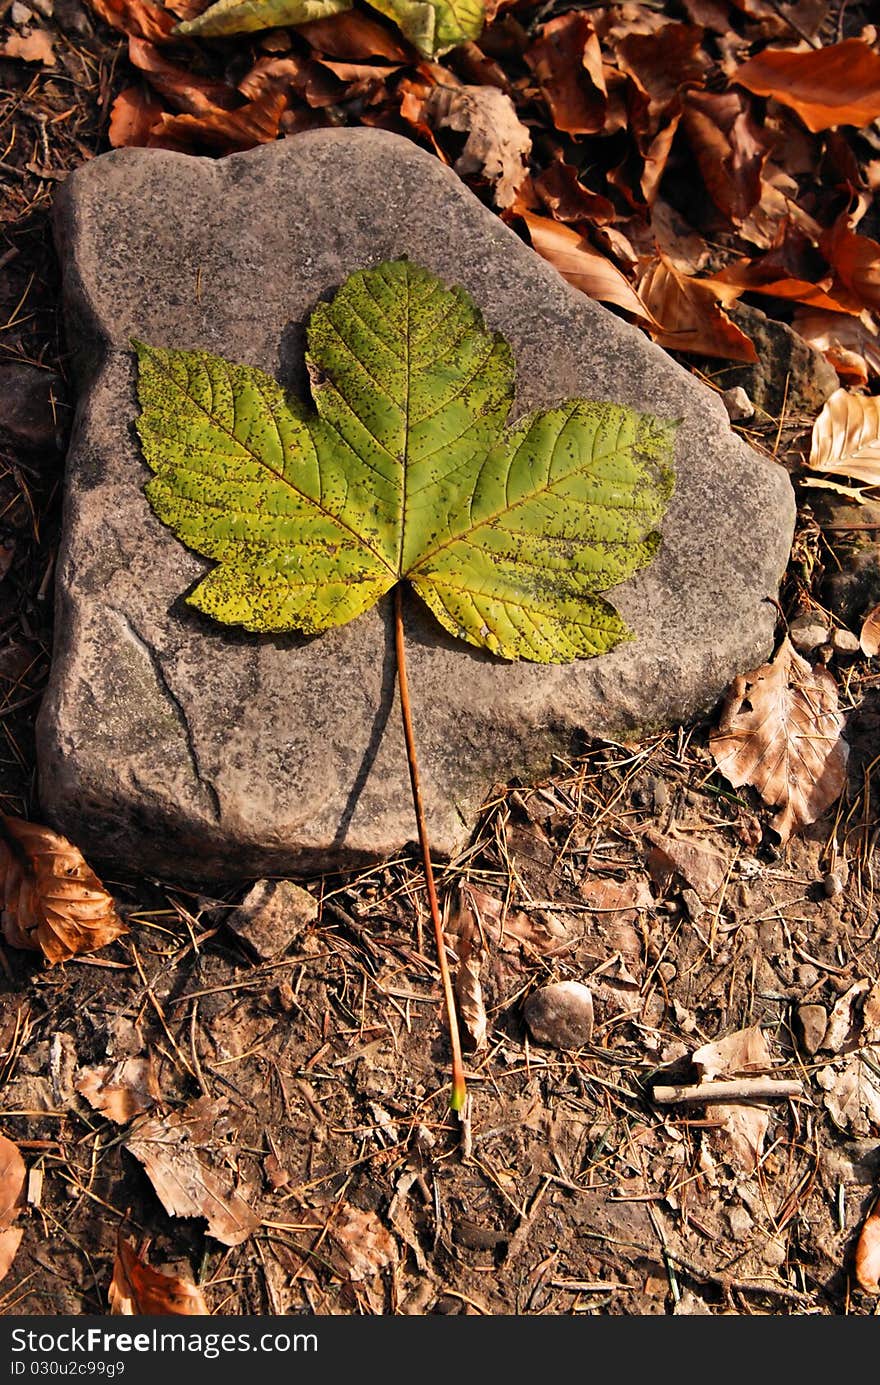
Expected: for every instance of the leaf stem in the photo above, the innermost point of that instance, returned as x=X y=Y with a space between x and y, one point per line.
x=458 y=1079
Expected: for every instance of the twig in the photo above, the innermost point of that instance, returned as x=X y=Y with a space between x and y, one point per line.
x=458 y=1079
x=742 y=1089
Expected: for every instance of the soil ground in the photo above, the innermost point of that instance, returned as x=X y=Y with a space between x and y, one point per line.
x=569 y=1189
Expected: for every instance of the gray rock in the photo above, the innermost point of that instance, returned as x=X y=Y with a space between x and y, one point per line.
x=737 y=403
x=560 y=1014
x=789 y=374
x=807 y=632
x=272 y=915
x=205 y=752
x=845 y=643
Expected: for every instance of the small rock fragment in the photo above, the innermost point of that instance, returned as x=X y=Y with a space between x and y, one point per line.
x=560 y=1014
x=738 y=405
x=807 y=632
x=845 y=643
x=812 y=1022
x=272 y=915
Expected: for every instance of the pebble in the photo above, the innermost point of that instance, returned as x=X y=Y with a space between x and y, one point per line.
x=560 y=1014
x=807 y=633
x=272 y=915
x=845 y=643
x=812 y=1022
x=738 y=405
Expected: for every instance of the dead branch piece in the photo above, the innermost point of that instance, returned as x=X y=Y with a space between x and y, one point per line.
x=741 y=1089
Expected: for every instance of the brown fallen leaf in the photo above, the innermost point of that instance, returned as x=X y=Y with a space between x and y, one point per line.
x=497 y=145
x=852 y=1092
x=780 y=731
x=729 y=149
x=364 y=1245
x=184 y=1163
x=182 y=88
x=836 y=85
x=35 y=47
x=846 y=438
x=137 y=1289
x=740 y=1138
x=567 y=61
x=869 y=638
x=52 y=901
x=13 y=1176
x=257 y=122
x=690 y=313
x=856 y=261
x=136 y=17
x=583 y=266
x=662 y=62
x=850 y=344
x=464 y=941
x=120 y=1091
x=701 y=867
x=867 y=1257
x=567 y=199
x=133 y=116
x=353 y=36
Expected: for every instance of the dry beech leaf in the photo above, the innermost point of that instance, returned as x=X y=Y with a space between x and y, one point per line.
x=691 y=313
x=354 y=36
x=740 y=1138
x=133 y=116
x=52 y=901
x=136 y=1289
x=846 y=438
x=462 y=937
x=837 y=85
x=13 y=1175
x=364 y=1245
x=120 y=1091
x=850 y=344
x=567 y=62
x=583 y=266
x=185 y=1164
x=869 y=638
x=701 y=867
x=856 y=261
x=35 y=47
x=780 y=731
x=136 y=17
x=567 y=199
x=497 y=145
x=728 y=147
x=852 y=1092
x=867 y=1257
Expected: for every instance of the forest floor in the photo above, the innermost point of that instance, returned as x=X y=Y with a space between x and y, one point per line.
x=304 y=1098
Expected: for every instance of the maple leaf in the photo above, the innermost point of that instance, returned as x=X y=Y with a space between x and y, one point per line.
x=403 y=470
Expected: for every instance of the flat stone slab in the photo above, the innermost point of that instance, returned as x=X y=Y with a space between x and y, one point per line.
x=198 y=751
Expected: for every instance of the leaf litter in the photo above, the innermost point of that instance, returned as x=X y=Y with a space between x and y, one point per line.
x=715 y=975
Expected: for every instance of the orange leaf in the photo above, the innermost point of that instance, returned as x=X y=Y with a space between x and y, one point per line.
x=846 y=438
x=12 y=1181
x=52 y=901
x=691 y=313
x=837 y=85
x=869 y=638
x=136 y=17
x=857 y=262
x=137 y=1289
x=583 y=266
x=867 y=1261
x=563 y=194
x=257 y=122
x=183 y=89
x=567 y=62
x=132 y=117
x=728 y=148
x=354 y=36
x=851 y=344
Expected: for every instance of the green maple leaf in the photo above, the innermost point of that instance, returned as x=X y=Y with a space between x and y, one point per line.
x=432 y=26
x=403 y=470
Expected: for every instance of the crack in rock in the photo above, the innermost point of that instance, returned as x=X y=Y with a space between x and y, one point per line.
x=145 y=648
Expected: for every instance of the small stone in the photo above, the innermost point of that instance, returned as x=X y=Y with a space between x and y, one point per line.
x=790 y=378
x=668 y=970
x=740 y=1221
x=691 y=1306
x=272 y=915
x=738 y=405
x=808 y=632
x=560 y=1014
x=812 y=1022
x=30 y=415
x=774 y=1253
x=845 y=643
x=20 y=14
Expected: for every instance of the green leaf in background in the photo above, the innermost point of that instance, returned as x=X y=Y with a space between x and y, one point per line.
x=434 y=26
x=403 y=470
x=246 y=16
